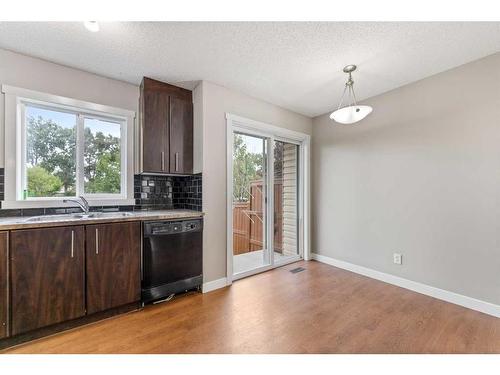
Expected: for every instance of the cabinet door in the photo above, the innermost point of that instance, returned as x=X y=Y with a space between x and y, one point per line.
x=181 y=136
x=4 y=296
x=155 y=155
x=47 y=276
x=113 y=265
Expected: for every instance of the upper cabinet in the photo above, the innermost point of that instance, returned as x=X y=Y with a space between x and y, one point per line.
x=166 y=128
x=181 y=135
x=154 y=131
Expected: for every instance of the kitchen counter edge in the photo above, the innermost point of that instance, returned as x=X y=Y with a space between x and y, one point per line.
x=13 y=223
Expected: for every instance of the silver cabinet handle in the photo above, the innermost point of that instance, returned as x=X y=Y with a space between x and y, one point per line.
x=96 y=241
x=72 y=244
x=162 y=161
x=176 y=161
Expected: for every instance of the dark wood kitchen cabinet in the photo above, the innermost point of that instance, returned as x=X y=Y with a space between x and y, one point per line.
x=4 y=295
x=155 y=136
x=47 y=276
x=113 y=265
x=166 y=128
x=181 y=135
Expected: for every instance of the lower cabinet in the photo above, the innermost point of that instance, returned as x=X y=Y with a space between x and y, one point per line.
x=61 y=273
x=4 y=295
x=113 y=265
x=47 y=277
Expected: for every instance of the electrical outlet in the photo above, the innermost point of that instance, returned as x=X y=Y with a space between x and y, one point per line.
x=397 y=258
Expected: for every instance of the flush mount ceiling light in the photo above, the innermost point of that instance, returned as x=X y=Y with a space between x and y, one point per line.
x=91 y=26
x=352 y=112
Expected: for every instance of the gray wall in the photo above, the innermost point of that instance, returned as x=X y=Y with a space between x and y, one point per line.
x=211 y=102
x=218 y=100
x=419 y=176
x=40 y=75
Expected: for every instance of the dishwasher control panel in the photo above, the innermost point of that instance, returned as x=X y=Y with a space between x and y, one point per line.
x=172 y=227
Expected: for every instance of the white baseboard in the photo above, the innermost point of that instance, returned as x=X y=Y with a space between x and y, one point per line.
x=213 y=285
x=445 y=295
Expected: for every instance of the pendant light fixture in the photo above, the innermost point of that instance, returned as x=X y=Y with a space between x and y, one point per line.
x=91 y=26
x=352 y=112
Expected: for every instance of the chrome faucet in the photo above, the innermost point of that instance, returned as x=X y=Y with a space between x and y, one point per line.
x=83 y=203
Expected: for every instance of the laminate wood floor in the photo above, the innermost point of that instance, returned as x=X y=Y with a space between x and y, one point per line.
x=320 y=310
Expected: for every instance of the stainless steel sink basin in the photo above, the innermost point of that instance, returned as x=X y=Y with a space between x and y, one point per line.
x=78 y=216
x=45 y=218
x=115 y=214
x=84 y=216
x=96 y=215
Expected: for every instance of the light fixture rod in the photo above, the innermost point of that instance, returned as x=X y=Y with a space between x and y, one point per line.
x=353 y=94
x=342 y=98
x=349 y=87
x=352 y=112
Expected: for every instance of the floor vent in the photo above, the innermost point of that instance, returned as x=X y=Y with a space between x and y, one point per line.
x=298 y=269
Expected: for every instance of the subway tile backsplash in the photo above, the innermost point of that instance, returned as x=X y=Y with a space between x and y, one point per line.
x=187 y=192
x=167 y=192
x=151 y=192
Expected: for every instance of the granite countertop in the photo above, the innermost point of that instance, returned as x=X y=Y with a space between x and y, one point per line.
x=25 y=222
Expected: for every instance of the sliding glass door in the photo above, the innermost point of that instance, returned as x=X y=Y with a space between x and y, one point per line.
x=264 y=207
x=286 y=190
x=250 y=248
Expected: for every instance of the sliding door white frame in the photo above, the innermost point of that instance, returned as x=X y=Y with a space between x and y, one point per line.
x=271 y=133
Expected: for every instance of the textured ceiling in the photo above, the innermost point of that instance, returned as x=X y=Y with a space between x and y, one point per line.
x=294 y=65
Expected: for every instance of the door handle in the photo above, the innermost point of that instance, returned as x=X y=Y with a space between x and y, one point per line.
x=162 y=161
x=176 y=161
x=72 y=244
x=96 y=241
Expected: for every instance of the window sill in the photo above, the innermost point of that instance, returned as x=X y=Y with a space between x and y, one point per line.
x=59 y=203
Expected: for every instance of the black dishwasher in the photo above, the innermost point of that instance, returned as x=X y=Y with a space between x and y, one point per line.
x=171 y=258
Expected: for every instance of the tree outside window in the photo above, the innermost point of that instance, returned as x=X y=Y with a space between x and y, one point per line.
x=51 y=154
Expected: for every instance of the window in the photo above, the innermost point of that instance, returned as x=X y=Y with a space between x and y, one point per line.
x=50 y=153
x=101 y=156
x=58 y=142
x=57 y=147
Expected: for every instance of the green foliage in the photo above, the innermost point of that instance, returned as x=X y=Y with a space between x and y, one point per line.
x=106 y=176
x=247 y=166
x=102 y=163
x=41 y=183
x=51 y=148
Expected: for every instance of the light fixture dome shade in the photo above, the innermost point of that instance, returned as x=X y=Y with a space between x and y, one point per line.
x=351 y=114
x=91 y=26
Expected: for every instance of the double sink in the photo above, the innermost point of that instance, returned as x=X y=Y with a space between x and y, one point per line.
x=78 y=216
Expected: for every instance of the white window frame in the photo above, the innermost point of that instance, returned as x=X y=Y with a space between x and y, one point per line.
x=271 y=132
x=15 y=153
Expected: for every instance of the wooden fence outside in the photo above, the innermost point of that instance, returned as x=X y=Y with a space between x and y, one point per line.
x=248 y=217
